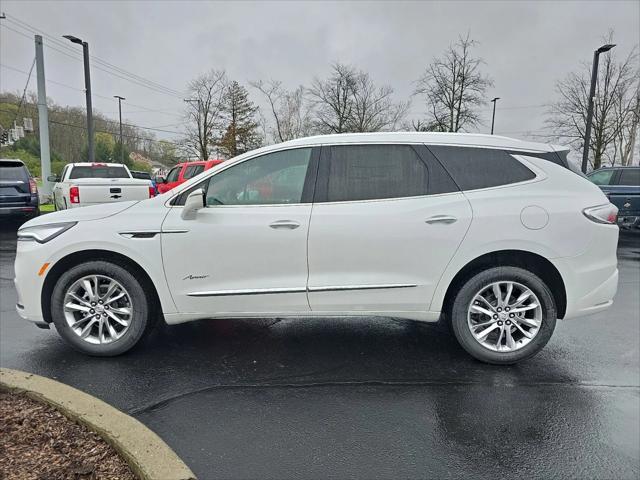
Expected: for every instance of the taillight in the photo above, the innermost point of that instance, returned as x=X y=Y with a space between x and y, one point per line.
x=152 y=192
x=74 y=194
x=33 y=186
x=607 y=214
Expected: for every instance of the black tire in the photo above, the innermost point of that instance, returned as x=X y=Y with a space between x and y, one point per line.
x=480 y=280
x=140 y=321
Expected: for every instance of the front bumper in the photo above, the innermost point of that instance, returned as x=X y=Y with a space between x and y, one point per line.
x=30 y=256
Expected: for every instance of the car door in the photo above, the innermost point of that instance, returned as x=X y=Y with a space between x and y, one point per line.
x=246 y=251
x=58 y=190
x=386 y=221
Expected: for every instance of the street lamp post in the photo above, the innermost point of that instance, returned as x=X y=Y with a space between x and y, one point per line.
x=592 y=92
x=87 y=86
x=493 y=117
x=120 y=115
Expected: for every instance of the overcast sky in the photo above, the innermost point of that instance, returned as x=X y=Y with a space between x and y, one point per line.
x=527 y=47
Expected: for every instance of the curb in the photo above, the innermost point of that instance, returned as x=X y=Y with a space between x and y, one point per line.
x=145 y=452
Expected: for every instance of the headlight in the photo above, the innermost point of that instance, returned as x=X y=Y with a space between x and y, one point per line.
x=44 y=233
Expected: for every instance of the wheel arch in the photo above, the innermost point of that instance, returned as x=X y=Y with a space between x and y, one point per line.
x=81 y=256
x=536 y=264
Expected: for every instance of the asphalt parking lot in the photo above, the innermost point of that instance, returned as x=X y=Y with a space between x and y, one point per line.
x=369 y=398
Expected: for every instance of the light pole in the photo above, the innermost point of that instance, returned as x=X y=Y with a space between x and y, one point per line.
x=120 y=115
x=592 y=92
x=87 y=86
x=493 y=117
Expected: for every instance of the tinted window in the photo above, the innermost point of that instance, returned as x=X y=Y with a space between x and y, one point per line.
x=98 y=171
x=10 y=171
x=366 y=172
x=274 y=178
x=173 y=174
x=192 y=170
x=473 y=168
x=630 y=176
x=601 y=177
x=141 y=175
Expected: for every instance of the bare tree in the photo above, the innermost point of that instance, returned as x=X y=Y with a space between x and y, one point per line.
x=204 y=111
x=333 y=99
x=289 y=109
x=614 y=106
x=373 y=108
x=453 y=88
x=349 y=101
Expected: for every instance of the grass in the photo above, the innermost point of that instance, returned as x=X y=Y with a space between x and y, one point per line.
x=46 y=208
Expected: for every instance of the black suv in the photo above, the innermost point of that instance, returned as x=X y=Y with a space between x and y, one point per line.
x=18 y=190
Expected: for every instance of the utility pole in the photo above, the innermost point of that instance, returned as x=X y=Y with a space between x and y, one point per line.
x=120 y=114
x=43 y=120
x=201 y=123
x=493 y=117
x=87 y=86
x=592 y=93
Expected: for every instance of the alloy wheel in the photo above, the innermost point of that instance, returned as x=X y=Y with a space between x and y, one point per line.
x=504 y=316
x=98 y=309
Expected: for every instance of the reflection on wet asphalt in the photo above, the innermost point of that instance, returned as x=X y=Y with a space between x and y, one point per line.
x=366 y=398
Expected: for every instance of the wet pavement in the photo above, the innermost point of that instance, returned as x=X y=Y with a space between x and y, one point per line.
x=367 y=398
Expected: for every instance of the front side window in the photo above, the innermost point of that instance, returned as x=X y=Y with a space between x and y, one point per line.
x=630 y=176
x=601 y=177
x=367 y=172
x=192 y=170
x=271 y=179
x=173 y=174
x=473 y=168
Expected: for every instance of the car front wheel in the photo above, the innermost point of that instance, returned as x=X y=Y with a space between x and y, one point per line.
x=503 y=315
x=100 y=308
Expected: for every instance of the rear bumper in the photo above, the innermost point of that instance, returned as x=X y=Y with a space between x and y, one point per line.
x=591 y=278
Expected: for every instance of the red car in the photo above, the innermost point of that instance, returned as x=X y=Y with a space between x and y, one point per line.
x=183 y=172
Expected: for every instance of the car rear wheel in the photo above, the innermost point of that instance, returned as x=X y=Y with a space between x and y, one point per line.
x=503 y=315
x=100 y=308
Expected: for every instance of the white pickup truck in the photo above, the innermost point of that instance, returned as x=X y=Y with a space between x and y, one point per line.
x=82 y=184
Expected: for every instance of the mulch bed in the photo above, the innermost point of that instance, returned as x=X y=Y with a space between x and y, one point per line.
x=38 y=442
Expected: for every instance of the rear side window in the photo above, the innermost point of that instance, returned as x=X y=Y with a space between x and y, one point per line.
x=98 y=171
x=11 y=171
x=367 y=172
x=630 y=176
x=601 y=177
x=474 y=168
x=192 y=170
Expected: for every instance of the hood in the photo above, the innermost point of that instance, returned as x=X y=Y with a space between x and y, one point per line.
x=94 y=212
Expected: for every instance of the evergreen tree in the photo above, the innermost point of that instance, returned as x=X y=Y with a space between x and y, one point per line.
x=240 y=126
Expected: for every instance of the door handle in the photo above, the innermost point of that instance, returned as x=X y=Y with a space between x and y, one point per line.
x=446 y=219
x=289 y=224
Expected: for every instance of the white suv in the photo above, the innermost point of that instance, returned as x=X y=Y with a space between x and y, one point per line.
x=496 y=236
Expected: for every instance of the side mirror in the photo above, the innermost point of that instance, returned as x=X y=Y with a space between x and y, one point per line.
x=195 y=201
x=53 y=178
x=160 y=179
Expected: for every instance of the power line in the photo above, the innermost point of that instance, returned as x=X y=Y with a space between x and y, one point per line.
x=97 y=63
x=24 y=25
x=24 y=92
x=49 y=80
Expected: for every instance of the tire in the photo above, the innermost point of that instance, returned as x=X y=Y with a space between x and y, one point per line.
x=464 y=315
x=138 y=321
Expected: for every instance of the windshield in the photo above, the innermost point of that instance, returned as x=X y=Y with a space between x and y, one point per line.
x=98 y=171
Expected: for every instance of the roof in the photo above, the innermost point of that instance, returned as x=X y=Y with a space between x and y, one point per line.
x=464 y=139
